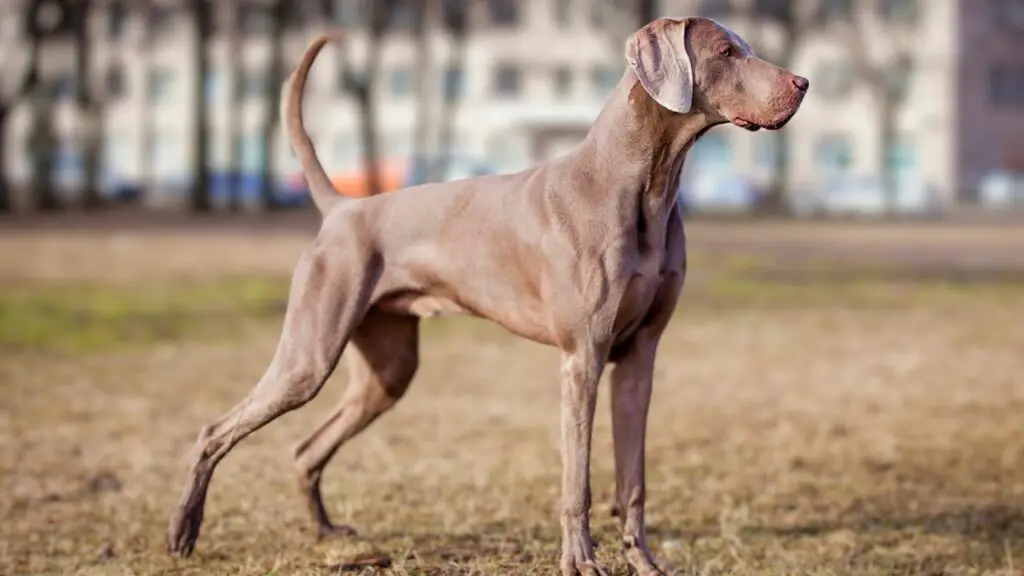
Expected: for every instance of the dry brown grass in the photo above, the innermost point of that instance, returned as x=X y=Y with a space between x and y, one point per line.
x=796 y=429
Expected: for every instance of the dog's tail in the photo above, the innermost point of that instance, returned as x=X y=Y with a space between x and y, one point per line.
x=324 y=194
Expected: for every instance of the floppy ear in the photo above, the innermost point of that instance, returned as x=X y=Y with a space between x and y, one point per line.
x=657 y=54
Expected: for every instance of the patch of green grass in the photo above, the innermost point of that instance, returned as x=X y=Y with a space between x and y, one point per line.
x=90 y=317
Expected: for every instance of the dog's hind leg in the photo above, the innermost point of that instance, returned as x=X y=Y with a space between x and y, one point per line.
x=382 y=362
x=331 y=288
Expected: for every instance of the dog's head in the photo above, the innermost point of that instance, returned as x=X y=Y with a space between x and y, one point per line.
x=697 y=63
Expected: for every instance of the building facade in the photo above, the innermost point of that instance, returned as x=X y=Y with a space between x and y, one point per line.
x=535 y=74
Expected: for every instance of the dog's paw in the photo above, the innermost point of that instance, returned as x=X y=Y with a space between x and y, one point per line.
x=583 y=567
x=335 y=532
x=183 y=532
x=642 y=562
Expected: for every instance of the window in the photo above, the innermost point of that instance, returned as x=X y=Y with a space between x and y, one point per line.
x=1018 y=88
x=563 y=81
x=899 y=11
x=251 y=153
x=159 y=19
x=454 y=13
x=116 y=154
x=349 y=80
x=159 y=86
x=167 y=159
x=452 y=82
x=598 y=15
x=349 y=13
x=897 y=78
x=563 y=11
x=507 y=81
x=715 y=8
x=504 y=12
x=835 y=79
x=768 y=151
x=115 y=81
x=212 y=86
x=901 y=157
x=836 y=9
x=603 y=79
x=995 y=12
x=1000 y=87
x=774 y=9
x=344 y=151
x=397 y=145
x=712 y=153
x=1006 y=13
x=64 y=86
x=402 y=15
x=254 y=83
x=400 y=82
x=115 y=18
x=256 y=20
x=834 y=153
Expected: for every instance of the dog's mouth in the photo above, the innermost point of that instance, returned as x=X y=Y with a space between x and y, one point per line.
x=746 y=124
x=752 y=126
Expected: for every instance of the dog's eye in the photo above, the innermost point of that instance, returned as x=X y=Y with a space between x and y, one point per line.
x=725 y=51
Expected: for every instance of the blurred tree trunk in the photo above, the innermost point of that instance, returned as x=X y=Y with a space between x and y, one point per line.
x=775 y=201
x=456 y=22
x=7 y=103
x=141 y=13
x=42 y=141
x=233 y=28
x=43 y=144
x=275 y=78
x=199 y=198
x=89 y=112
x=5 y=191
x=424 y=88
x=365 y=91
x=645 y=12
x=887 y=80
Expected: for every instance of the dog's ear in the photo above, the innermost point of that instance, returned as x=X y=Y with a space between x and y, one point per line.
x=658 y=56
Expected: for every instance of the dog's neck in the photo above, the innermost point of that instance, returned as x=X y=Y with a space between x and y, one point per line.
x=641 y=146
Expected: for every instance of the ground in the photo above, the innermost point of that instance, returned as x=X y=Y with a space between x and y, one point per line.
x=829 y=400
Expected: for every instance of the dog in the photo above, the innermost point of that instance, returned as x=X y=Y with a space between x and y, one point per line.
x=585 y=252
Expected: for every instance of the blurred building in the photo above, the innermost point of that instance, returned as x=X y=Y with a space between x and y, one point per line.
x=535 y=74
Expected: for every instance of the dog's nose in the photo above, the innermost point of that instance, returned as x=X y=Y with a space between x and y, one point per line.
x=801 y=83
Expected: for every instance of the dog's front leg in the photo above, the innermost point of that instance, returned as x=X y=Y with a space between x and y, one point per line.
x=581 y=371
x=631 y=381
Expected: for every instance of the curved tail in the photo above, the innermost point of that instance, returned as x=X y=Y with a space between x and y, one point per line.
x=323 y=192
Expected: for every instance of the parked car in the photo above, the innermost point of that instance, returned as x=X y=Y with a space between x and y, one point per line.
x=398 y=173
x=288 y=191
x=69 y=173
x=460 y=166
x=865 y=196
x=720 y=193
x=1001 y=189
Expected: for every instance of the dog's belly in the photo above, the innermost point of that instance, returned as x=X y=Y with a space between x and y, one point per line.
x=421 y=305
x=523 y=322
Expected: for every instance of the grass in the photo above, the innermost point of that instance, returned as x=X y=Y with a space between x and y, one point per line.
x=813 y=419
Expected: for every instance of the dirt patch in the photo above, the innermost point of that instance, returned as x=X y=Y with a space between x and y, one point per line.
x=819 y=426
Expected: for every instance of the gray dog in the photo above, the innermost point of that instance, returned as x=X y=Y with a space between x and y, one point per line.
x=585 y=253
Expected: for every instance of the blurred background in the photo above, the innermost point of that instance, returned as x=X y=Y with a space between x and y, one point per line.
x=840 y=392
x=915 y=107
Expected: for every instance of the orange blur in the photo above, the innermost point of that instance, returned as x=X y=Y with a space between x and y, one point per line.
x=355 y=183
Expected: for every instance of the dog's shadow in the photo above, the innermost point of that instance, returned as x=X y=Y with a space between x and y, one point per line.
x=994 y=526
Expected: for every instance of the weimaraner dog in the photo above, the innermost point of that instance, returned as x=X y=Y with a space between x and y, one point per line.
x=585 y=253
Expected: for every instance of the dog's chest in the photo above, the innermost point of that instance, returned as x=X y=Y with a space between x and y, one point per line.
x=641 y=290
x=655 y=258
